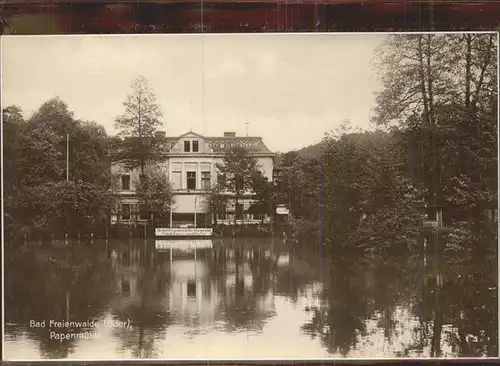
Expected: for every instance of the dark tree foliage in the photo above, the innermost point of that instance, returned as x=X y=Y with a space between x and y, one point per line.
x=238 y=168
x=265 y=195
x=438 y=106
x=155 y=192
x=38 y=196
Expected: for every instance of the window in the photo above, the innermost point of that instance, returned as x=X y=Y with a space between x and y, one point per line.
x=126 y=182
x=191 y=180
x=195 y=146
x=205 y=180
x=191 y=289
x=125 y=286
x=239 y=211
x=187 y=146
x=143 y=212
x=238 y=182
x=176 y=180
x=125 y=211
x=221 y=209
x=221 y=181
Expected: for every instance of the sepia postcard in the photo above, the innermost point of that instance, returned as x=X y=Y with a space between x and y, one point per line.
x=250 y=196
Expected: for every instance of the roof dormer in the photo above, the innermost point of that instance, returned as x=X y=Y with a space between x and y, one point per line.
x=191 y=143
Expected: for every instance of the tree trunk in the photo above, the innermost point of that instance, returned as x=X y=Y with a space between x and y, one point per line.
x=425 y=84
x=422 y=81
x=430 y=80
x=483 y=70
x=468 y=41
x=432 y=126
x=118 y=220
x=436 y=337
x=236 y=209
x=214 y=213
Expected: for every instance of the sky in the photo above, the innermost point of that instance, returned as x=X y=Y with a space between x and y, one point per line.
x=290 y=88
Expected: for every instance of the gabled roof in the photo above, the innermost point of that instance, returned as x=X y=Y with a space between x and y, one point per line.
x=189 y=133
x=221 y=144
x=253 y=144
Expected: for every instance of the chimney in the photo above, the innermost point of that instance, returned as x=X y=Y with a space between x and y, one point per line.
x=229 y=134
x=160 y=134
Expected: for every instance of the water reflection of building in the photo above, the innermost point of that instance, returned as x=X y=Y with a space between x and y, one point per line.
x=197 y=284
x=192 y=296
x=127 y=271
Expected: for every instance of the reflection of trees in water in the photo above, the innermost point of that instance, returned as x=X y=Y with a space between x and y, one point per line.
x=357 y=296
x=261 y=259
x=69 y=284
x=466 y=305
x=305 y=268
x=393 y=287
x=341 y=316
x=147 y=313
x=244 y=305
x=461 y=315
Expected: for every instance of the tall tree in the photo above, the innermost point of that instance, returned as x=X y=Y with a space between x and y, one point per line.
x=441 y=91
x=40 y=194
x=347 y=170
x=236 y=171
x=155 y=193
x=70 y=204
x=137 y=125
x=89 y=153
x=43 y=143
x=412 y=71
x=302 y=184
x=43 y=147
x=12 y=124
x=55 y=115
x=265 y=194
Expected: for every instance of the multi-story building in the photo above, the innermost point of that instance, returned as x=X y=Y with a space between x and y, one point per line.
x=191 y=166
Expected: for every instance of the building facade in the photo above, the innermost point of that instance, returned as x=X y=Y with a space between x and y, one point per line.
x=191 y=167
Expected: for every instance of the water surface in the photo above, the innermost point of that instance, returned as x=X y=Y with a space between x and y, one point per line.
x=244 y=298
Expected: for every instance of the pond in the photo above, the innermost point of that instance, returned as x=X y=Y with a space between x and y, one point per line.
x=238 y=299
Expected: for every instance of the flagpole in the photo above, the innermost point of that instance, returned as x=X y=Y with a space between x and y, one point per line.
x=171 y=214
x=195 y=211
x=67 y=180
x=67 y=157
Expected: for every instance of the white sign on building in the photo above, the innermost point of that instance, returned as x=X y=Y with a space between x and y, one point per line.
x=184 y=231
x=282 y=211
